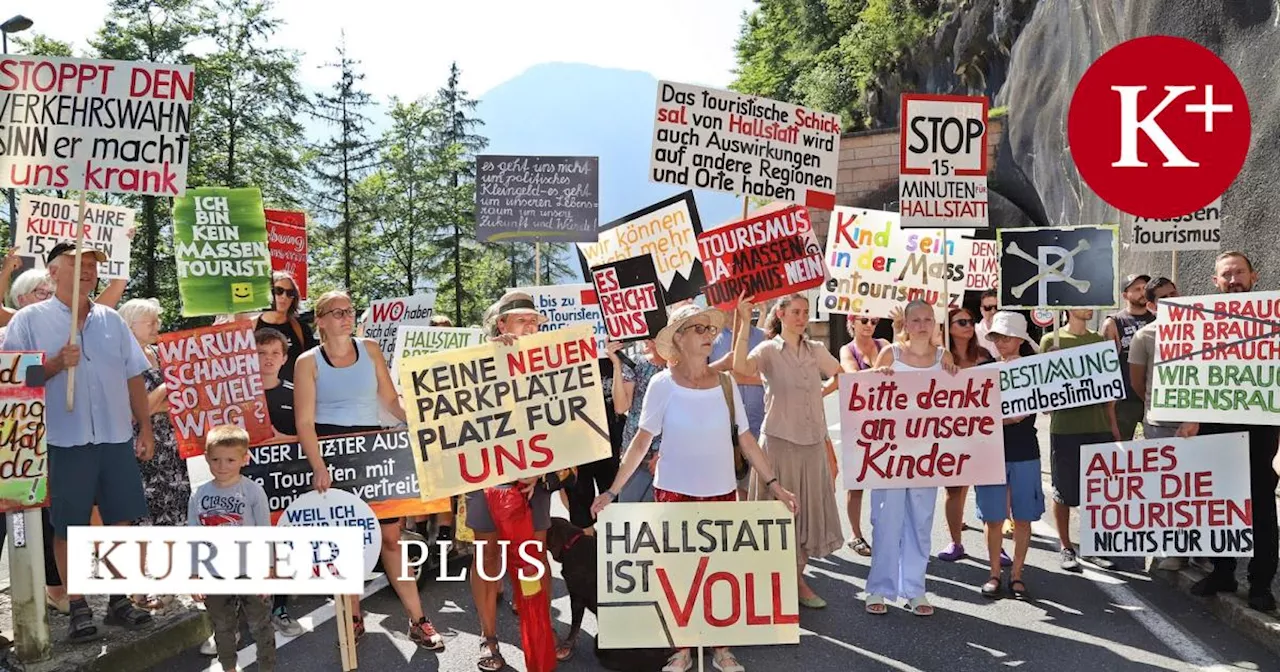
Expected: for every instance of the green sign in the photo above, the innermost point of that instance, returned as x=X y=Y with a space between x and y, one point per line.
x=220 y=241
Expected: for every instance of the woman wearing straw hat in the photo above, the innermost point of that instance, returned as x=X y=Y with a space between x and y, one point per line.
x=795 y=428
x=686 y=405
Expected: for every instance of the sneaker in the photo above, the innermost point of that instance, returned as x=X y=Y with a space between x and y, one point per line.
x=1101 y=562
x=1212 y=584
x=1069 y=561
x=210 y=648
x=952 y=552
x=285 y=624
x=1005 y=560
x=1170 y=564
x=424 y=634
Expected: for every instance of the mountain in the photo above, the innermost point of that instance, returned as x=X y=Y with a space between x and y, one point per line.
x=584 y=110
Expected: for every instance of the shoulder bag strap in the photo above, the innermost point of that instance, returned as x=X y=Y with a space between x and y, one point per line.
x=725 y=382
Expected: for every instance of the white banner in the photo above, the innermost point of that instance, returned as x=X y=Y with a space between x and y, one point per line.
x=412 y=340
x=1068 y=378
x=568 y=306
x=386 y=315
x=1167 y=497
x=1200 y=230
x=44 y=222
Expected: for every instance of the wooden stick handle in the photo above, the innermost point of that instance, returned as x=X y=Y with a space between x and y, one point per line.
x=75 y=303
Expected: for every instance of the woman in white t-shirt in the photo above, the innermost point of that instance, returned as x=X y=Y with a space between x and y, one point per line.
x=686 y=405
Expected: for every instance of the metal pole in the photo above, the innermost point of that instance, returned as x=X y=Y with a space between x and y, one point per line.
x=537 y=263
x=13 y=207
x=1173 y=274
x=946 y=296
x=26 y=584
x=75 y=300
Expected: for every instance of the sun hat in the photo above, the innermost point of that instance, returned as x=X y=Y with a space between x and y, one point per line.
x=676 y=321
x=1007 y=323
x=517 y=303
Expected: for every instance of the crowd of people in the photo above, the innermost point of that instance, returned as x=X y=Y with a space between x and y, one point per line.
x=712 y=408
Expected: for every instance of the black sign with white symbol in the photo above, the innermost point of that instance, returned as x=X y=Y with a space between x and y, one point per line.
x=1058 y=268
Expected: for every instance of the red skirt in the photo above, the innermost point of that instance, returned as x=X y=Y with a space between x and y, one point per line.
x=668 y=497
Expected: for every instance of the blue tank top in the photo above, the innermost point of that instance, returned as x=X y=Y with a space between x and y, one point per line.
x=346 y=396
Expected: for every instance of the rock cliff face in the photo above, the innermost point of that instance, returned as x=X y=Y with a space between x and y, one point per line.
x=1051 y=54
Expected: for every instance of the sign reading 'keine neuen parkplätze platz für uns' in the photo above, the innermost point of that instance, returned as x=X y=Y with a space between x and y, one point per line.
x=730 y=142
x=942 y=171
x=108 y=126
x=1053 y=381
x=555 y=198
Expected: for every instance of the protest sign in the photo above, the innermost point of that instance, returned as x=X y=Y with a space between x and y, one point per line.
x=922 y=429
x=91 y=125
x=696 y=574
x=744 y=145
x=1218 y=359
x=385 y=316
x=376 y=466
x=876 y=266
x=984 y=266
x=223 y=258
x=1179 y=497
x=553 y=198
x=44 y=222
x=540 y=410
x=24 y=463
x=287 y=243
x=338 y=508
x=942 y=162
x=568 y=305
x=412 y=340
x=1199 y=230
x=1071 y=267
x=767 y=256
x=1068 y=378
x=668 y=231
x=214 y=379
x=631 y=300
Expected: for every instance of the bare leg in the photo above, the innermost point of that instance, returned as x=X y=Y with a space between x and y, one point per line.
x=1062 y=518
x=484 y=592
x=60 y=551
x=401 y=578
x=955 y=511
x=995 y=540
x=1021 y=542
x=802 y=587
x=853 y=504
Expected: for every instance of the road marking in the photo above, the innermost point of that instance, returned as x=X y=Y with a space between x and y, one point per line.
x=314 y=619
x=883 y=660
x=1178 y=639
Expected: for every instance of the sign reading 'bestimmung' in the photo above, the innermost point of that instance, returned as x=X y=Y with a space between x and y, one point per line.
x=1053 y=381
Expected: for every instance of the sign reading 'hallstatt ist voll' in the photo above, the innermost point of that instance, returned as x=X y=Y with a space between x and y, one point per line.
x=729 y=142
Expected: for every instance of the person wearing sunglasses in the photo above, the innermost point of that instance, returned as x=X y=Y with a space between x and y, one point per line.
x=989 y=304
x=859 y=355
x=283 y=317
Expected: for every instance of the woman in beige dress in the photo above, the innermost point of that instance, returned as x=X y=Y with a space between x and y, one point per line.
x=795 y=427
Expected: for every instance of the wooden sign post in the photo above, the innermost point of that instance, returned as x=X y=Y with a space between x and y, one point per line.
x=75 y=303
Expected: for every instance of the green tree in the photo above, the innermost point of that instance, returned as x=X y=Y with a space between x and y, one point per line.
x=408 y=189
x=40 y=44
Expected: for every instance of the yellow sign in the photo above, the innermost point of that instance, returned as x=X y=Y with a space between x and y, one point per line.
x=492 y=414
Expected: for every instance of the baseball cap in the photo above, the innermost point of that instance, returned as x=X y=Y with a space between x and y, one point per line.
x=1134 y=277
x=70 y=248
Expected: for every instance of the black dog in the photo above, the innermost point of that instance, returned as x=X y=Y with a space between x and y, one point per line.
x=576 y=553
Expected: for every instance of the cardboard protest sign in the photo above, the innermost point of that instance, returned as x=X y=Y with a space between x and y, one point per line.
x=555 y=198
x=385 y=316
x=542 y=411
x=1167 y=497
x=337 y=508
x=942 y=163
x=220 y=243
x=631 y=300
x=668 y=231
x=696 y=574
x=44 y=222
x=413 y=340
x=922 y=429
x=569 y=305
x=729 y=142
x=24 y=455
x=214 y=379
x=876 y=266
x=1068 y=378
x=984 y=266
x=377 y=467
x=1216 y=359
x=1072 y=267
x=1199 y=230
x=767 y=256
x=287 y=243
x=93 y=125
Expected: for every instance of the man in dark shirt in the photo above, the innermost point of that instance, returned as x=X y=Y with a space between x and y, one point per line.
x=273 y=352
x=1120 y=327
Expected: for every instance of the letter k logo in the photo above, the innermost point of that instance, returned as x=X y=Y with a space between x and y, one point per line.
x=1129 y=127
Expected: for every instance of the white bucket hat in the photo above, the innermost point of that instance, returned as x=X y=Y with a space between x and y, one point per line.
x=1008 y=323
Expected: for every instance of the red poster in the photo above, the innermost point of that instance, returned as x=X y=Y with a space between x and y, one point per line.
x=766 y=256
x=287 y=241
x=214 y=379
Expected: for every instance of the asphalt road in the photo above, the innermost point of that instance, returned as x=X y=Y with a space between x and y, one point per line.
x=1094 y=621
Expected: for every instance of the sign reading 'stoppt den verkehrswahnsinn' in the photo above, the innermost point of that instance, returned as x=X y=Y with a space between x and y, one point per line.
x=1181 y=497
x=1218 y=359
x=631 y=299
x=555 y=198
x=214 y=560
x=942 y=172
x=696 y=574
x=1052 y=381
x=1072 y=267
x=768 y=255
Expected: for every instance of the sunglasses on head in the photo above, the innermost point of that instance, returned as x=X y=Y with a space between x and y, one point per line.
x=963 y=322
x=281 y=291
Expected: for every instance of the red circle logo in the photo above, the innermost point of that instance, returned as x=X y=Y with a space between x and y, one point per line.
x=1159 y=127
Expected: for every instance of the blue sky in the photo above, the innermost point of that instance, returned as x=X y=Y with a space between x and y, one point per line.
x=406 y=46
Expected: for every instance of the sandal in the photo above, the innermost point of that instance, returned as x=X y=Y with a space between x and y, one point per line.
x=875 y=605
x=123 y=613
x=861 y=547
x=991 y=588
x=564 y=651
x=724 y=660
x=680 y=661
x=1018 y=592
x=920 y=606
x=493 y=661
x=81 y=627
